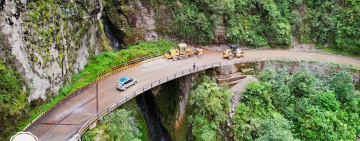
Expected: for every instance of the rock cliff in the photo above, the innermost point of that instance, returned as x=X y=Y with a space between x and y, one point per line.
x=50 y=40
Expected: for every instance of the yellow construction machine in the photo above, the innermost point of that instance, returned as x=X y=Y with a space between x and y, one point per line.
x=183 y=51
x=232 y=52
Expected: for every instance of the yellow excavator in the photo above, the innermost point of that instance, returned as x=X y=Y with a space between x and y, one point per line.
x=232 y=52
x=183 y=51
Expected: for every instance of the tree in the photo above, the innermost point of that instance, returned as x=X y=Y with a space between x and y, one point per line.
x=302 y=83
x=121 y=125
x=212 y=105
x=327 y=100
x=341 y=84
x=13 y=101
x=280 y=92
x=311 y=114
x=275 y=129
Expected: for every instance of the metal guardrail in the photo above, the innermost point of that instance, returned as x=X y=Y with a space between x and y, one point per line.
x=125 y=66
x=113 y=106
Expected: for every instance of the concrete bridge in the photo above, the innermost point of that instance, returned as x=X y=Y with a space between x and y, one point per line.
x=73 y=116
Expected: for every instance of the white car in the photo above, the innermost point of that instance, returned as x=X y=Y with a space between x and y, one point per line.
x=125 y=82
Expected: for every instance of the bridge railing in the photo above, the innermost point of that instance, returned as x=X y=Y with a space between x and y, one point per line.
x=113 y=106
x=100 y=75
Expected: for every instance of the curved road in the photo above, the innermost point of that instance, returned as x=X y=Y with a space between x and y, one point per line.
x=62 y=122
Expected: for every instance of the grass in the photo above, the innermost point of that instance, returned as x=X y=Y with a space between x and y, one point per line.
x=330 y=50
x=290 y=61
x=98 y=63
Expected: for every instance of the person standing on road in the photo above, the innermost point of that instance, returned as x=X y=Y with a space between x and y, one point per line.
x=194 y=66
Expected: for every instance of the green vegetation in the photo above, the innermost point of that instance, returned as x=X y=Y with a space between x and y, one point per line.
x=336 y=51
x=123 y=16
x=62 y=26
x=211 y=106
x=266 y=22
x=119 y=125
x=298 y=106
x=12 y=100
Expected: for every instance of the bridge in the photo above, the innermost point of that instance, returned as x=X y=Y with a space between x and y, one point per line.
x=73 y=116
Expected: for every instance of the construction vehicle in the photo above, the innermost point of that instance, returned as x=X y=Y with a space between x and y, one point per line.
x=232 y=52
x=183 y=51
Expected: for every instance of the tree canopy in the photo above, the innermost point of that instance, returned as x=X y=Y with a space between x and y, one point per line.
x=212 y=104
x=298 y=107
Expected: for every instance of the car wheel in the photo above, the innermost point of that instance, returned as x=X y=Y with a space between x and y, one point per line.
x=135 y=82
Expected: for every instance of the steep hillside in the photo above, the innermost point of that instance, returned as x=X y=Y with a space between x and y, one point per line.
x=277 y=23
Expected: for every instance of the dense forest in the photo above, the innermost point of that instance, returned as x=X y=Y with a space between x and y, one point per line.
x=275 y=23
x=301 y=106
x=298 y=106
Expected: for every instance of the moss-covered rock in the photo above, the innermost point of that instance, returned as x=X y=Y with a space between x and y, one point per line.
x=46 y=37
x=172 y=101
x=124 y=16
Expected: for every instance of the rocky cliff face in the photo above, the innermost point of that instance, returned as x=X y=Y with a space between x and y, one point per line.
x=137 y=20
x=172 y=99
x=50 y=40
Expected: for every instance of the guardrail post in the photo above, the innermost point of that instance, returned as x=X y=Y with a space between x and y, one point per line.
x=159 y=82
x=167 y=79
x=108 y=109
x=212 y=65
x=174 y=75
x=97 y=115
x=151 y=85
x=182 y=72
